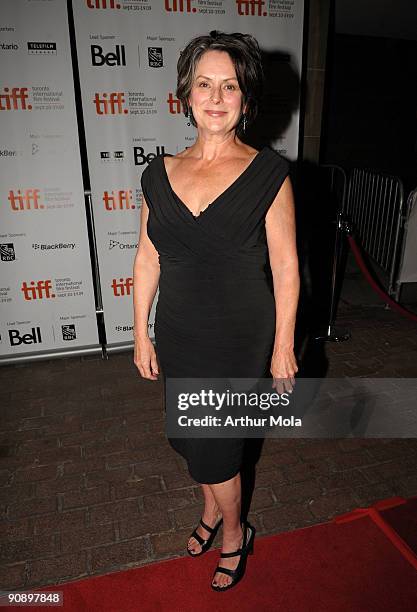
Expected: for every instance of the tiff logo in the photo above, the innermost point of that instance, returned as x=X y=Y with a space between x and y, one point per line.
x=174 y=104
x=15 y=100
x=38 y=290
x=114 y=106
x=28 y=200
x=180 y=6
x=119 y=200
x=251 y=7
x=123 y=286
x=102 y=4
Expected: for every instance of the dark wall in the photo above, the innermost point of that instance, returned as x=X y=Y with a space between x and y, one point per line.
x=370 y=111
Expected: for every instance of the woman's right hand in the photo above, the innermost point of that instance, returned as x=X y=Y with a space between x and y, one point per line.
x=145 y=358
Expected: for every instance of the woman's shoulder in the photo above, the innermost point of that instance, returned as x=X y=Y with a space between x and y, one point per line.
x=277 y=159
x=151 y=167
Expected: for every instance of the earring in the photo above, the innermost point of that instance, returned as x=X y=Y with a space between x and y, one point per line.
x=244 y=123
x=189 y=115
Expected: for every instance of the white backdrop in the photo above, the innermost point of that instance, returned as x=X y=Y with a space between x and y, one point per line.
x=127 y=55
x=46 y=289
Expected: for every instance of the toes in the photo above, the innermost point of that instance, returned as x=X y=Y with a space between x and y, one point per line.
x=193 y=546
x=222 y=582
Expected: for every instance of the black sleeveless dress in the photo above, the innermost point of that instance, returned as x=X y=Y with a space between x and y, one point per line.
x=215 y=315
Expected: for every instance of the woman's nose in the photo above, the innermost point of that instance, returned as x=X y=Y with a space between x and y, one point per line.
x=216 y=94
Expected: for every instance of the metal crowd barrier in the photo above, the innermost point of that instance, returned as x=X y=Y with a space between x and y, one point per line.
x=375 y=207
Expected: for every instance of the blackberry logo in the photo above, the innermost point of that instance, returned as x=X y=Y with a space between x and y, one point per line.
x=7 y=252
x=123 y=327
x=68 y=332
x=155 y=58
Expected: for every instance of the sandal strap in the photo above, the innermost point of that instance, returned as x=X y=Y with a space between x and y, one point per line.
x=198 y=537
x=209 y=529
x=240 y=550
x=231 y=554
x=226 y=570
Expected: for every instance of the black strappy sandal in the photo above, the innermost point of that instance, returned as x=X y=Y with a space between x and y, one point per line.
x=238 y=573
x=205 y=544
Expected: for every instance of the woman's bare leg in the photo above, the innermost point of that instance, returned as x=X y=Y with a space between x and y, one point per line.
x=222 y=499
x=228 y=496
x=211 y=517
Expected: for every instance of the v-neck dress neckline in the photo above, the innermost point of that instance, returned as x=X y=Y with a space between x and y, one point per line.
x=220 y=196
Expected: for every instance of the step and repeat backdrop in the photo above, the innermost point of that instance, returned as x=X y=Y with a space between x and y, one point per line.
x=46 y=287
x=127 y=52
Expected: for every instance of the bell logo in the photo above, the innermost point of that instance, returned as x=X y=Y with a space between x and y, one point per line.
x=119 y=200
x=141 y=158
x=102 y=4
x=15 y=100
x=122 y=286
x=28 y=200
x=16 y=339
x=174 y=104
x=180 y=6
x=99 y=58
x=112 y=106
x=251 y=7
x=38 y=290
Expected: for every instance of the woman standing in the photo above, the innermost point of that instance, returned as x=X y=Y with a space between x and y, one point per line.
x=216 y=218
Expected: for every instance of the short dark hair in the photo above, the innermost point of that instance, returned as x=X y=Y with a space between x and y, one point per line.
x=245 y=54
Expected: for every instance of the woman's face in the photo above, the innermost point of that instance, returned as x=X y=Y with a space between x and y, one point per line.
x=215 y=97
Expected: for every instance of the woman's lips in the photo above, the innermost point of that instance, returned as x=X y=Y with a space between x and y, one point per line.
x=215 y=113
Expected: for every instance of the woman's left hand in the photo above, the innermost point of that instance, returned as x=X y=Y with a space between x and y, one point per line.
x=283 y=370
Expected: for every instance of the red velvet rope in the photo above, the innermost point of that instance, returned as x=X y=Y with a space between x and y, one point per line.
x=359 y=260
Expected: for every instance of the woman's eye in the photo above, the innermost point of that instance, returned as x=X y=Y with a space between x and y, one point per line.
x=231 y=86
x=202 y=83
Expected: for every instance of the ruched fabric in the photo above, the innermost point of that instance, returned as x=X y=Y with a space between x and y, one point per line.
x=215 y=315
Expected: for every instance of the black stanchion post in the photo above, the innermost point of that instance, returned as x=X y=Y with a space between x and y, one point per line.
x=331 y=333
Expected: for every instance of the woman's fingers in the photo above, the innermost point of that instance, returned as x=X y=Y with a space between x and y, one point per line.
x=283 y=370
x=284 y=385
x=154 y=364
x=145 y=360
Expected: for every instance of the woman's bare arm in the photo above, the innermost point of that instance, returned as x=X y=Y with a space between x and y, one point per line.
x=146 y=273
x=281 y=238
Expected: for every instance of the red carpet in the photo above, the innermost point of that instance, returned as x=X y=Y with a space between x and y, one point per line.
x=355 y=563
x=403 y=518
